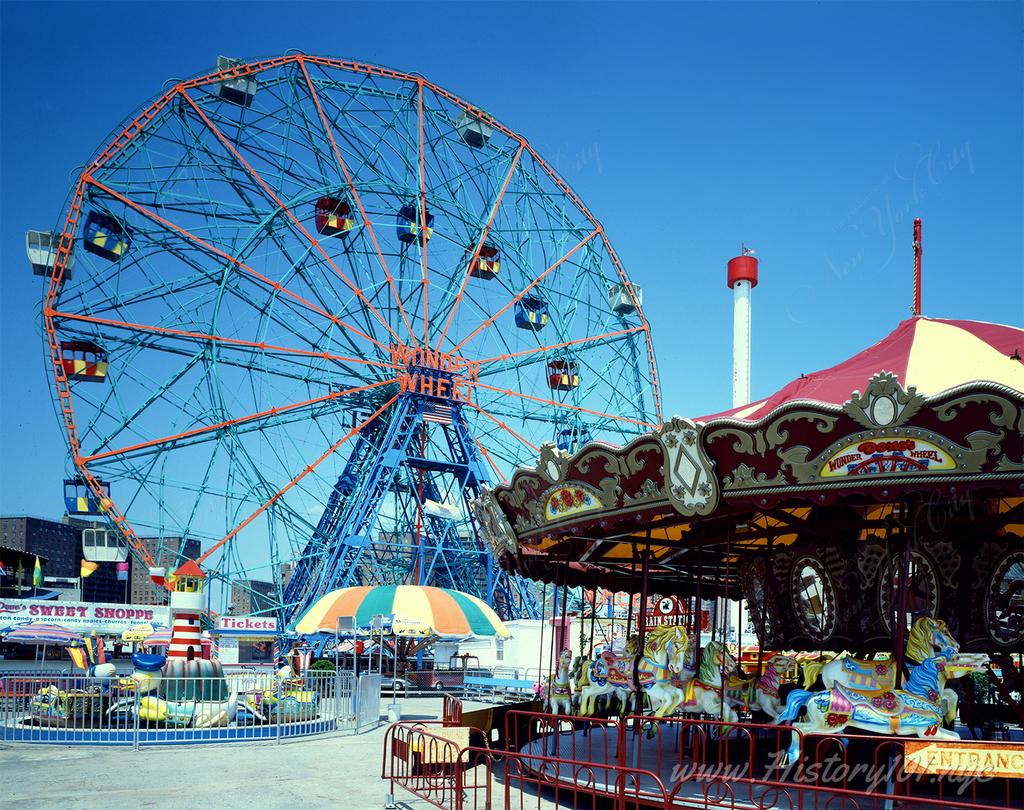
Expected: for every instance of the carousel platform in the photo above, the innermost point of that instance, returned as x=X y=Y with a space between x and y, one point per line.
x=675 y=767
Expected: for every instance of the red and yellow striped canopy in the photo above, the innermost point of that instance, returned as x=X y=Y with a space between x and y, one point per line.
x=419 y=608
x=930 y=353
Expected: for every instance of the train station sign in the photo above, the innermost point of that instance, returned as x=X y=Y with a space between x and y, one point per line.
x=81 y=617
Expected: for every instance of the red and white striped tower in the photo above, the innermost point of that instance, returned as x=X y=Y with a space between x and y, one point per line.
x=187 y=602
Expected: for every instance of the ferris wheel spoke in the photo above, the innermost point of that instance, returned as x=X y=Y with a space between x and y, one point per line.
x=504 y=426
x=356 y=198
x=276 y=286
x=556 y=404
x=306 y=471
x=262 y=346
x=479 y=244
x=297 y=224
x=423 y=220
x=230 y=423
x=578 y=342
x=489 y=321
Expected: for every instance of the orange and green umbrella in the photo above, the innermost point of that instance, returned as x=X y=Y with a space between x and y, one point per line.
x=417 y=610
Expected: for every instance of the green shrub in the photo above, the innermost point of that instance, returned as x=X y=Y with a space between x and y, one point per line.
x=323 y=665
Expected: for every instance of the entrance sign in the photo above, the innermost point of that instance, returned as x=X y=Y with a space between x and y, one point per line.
x=977 y=759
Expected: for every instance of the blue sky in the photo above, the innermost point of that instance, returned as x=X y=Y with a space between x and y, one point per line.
x=813 y=132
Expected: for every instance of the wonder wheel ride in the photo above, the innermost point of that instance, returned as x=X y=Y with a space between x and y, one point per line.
x=317 y=305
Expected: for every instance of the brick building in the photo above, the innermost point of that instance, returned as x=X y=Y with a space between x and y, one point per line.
x=58 y=544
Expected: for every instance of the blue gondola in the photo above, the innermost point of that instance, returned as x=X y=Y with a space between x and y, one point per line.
x=79 y=498
x=572 y=439
x=531 y=313
x=105 y=236
x=408 y=224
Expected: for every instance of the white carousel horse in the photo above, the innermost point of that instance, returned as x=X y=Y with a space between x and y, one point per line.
x=606 y=676
x=663 y=658
x=915 y=710
x=558 y=695
x=927 y=637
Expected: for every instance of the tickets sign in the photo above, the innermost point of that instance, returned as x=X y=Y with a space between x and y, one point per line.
x=240 y=625
x=885 y=456
x=82 y=617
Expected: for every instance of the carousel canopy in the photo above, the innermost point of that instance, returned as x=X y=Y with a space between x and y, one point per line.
x=920 y=436
x=931 y=354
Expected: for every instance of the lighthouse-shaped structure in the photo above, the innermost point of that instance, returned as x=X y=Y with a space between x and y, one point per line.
x=742 y=276
x=187 y=603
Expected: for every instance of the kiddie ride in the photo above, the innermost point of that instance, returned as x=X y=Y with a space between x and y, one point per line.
x=180 y=689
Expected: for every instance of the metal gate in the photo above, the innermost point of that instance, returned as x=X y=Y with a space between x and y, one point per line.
x=368 y=702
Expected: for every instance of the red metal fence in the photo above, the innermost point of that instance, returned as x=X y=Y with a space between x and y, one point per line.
x=690 y=763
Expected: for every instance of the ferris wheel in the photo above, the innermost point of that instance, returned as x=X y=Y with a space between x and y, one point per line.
x=314 y=306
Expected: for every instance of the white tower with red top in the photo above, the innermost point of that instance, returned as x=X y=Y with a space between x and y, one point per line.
x=187 y=603
x=742 y=279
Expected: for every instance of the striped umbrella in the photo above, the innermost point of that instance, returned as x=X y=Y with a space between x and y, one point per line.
x=42 y=634
x=158 y=638
x=418 y=610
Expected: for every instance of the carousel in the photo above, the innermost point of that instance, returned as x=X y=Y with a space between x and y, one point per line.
x=870 y=518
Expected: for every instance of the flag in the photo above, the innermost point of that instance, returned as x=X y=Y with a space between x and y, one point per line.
x=87 y=567
x=37 y=575
x=122 y=572
x=437 y=413
x=3 y=571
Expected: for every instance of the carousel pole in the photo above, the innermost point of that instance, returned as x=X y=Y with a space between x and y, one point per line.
x=764 y=609
x=900 y=620
x=723 y=677
x=564 y=642
x=540 y=650
x=641 y=620
x=699 y=615
x=593 y=618
x=629 y=609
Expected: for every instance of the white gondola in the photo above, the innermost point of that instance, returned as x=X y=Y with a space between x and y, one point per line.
x=620 y=301
x=103 y=545
x=472 y=130
x=238 y=91
x=41 y=249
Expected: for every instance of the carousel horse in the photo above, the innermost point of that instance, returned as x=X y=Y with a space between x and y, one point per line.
x=915 y=710
x=662 y=658
x=710 y=692
x=593 y=682
x=557 y=694
x=927 y=637
x=759 y=693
